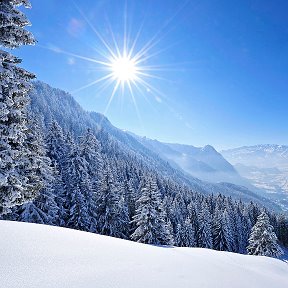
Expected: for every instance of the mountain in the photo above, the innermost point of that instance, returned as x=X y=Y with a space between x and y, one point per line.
x=54 y=104
x=262 y=156
x=204 y=163
x=46 y=256
x=265 y=166
x=50 y=103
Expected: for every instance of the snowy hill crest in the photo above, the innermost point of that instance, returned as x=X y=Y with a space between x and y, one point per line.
x=45 y=256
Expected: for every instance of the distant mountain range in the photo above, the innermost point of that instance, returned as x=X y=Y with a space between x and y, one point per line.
x=200 y=168
x=204 y=163
x=262 y=156
x=262 y=169
x=265 y=166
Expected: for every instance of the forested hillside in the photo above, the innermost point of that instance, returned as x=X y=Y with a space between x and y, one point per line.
x=100 y=179
x=54 y=104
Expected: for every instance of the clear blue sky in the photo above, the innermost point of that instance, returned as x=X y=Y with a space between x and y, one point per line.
x=224 y=64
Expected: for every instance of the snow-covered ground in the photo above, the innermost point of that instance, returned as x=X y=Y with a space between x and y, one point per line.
x=41 y=256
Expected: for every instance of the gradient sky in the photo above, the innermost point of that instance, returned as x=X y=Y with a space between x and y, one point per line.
x=223 y=65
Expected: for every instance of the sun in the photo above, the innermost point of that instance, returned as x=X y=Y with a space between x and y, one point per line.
x=124 y=69
x=123 y=65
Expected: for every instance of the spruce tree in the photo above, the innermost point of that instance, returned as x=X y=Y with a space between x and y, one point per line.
x=263 y=240
x=111 y=209
x=43 y=209
x=205 y=228
x=37 y=166
x=185 y=235
x=90 y=150
x=282 y=228
x=57 y=151
x=78 y=212
x=222 y=239
x=150 y=217
x=56 y=146
x=15 y=188
x=193 y=214
x=176 y=211
x=78 y=191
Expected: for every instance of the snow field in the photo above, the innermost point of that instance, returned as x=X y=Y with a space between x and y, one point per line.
x=34 y=255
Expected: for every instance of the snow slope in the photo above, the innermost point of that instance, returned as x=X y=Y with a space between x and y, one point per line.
x=33 y=255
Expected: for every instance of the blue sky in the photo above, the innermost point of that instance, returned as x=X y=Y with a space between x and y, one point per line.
x=222 y=66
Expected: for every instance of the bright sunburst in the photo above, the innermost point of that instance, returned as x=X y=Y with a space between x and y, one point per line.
x=124 y=69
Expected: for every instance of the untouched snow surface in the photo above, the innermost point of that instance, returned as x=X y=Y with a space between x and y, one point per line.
x=41 y=256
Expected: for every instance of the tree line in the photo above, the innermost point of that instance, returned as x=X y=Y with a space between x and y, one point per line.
x=115 y=194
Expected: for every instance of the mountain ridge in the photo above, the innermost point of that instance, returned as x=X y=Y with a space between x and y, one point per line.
x=54 y=104
x=204 y=163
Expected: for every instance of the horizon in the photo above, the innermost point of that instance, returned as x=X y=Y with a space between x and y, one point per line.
x=205 y=52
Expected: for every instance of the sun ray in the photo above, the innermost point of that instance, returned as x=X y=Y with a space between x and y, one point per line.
x=166 y=67
x=149 y=75
x=113 y=38
x=140 y=91
x=131 y=50
x=153 y=42
x=112 y=95
x=59 y=50
x=125 y=30
x=95 y=31
x=93 y=83
x=151 y=55
x=103 y=86
x=151 y=87
x=135 y=105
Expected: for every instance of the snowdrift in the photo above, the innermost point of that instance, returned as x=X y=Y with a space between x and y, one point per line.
x=41 y=256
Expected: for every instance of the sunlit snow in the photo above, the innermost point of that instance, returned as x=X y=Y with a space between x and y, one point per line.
x=43 y=256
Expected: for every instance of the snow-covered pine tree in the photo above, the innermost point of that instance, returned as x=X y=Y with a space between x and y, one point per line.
x=14 y=86
x=78 y=210
x=176 y=210
x=36 y=165
x=282 y=228
x=233 y=223
x=90 y=150
x=193 y=214
x=124 y=224
x=150 y=217
x=13 y=23
x=78 y=191
x=263 y=240
x=57 y=151
x=43 y=209
x=56 y=146
x=222 y=239
x=130 y=199
x=185 y=235
x=242 y=227
x=205 y=227
x=111 y=209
